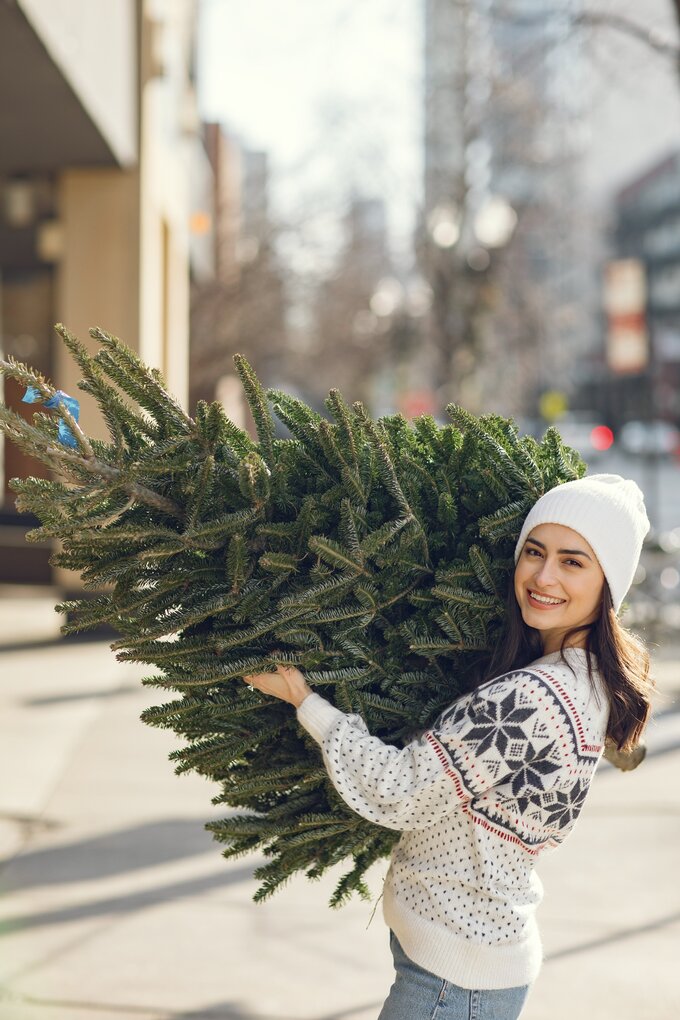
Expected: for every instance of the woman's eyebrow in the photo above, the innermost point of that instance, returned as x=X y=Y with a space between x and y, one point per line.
x=569 y=552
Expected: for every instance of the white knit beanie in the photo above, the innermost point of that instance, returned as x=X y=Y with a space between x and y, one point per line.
x=609 y=512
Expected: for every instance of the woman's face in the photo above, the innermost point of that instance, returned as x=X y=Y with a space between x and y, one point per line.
x=558 y=583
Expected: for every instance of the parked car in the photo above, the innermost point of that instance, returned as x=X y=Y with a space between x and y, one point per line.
x=649 y=437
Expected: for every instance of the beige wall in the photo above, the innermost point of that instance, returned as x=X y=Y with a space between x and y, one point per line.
x=97 y=282
x=164 y=293
x=166 y=108
x=98 y=272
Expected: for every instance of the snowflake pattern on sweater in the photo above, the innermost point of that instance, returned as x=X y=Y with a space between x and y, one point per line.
x=522 y=733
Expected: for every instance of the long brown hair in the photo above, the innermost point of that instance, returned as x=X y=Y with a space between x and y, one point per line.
x=621 y=659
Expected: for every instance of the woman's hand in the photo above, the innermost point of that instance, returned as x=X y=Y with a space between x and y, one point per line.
x=287 y=683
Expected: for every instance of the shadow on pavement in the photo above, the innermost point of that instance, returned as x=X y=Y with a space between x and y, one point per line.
x=120 y=904
x=656 y=752
x=31 y=644
x=113 y=853
x=628 y=933
x=225 y=1011
x=120 y=690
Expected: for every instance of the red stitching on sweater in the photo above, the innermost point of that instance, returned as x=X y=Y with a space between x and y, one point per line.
x=502 y=808
x=447 y=768
x=570 y=704
x=445 y=760
x=509 y=837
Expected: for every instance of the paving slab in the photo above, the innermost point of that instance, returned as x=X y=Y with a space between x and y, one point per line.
x=27 y=613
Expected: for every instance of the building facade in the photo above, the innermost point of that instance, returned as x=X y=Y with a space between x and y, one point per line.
x=96 y=151
x=646 y=228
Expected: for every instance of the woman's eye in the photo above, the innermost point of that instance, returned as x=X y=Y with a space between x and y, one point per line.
x=531 y=551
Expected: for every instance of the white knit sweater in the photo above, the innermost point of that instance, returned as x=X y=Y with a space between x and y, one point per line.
x=501 y=776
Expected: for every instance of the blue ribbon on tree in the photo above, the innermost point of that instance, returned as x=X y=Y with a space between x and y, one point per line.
x=65 y=436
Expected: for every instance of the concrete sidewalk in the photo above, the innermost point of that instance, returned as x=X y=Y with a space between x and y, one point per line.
x=118 y=903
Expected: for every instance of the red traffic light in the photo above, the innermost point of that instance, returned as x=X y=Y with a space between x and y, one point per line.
x=601 y=437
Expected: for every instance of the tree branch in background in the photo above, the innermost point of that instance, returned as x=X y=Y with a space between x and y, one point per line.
x=653 y=38
x=619 y=22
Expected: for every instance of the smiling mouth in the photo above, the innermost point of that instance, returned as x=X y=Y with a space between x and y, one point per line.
x=545 y=601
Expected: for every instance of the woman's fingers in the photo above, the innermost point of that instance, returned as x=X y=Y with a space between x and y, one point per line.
x=287 y=683
x=269 y=683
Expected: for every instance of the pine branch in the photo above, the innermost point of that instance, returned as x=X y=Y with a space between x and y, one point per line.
x=258 y=405
x=146 y=382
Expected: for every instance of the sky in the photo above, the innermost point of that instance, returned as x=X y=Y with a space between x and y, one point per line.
x=635 y=96
x=331 y=89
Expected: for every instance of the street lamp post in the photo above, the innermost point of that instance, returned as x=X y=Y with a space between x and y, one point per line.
x=399 y=309
x=459 y=248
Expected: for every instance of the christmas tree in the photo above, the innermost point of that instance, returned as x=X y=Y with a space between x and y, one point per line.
x=375 y=555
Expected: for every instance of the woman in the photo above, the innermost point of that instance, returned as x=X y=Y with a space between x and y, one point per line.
x=504 y=772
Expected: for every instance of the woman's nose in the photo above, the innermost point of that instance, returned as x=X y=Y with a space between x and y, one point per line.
x=546 y=573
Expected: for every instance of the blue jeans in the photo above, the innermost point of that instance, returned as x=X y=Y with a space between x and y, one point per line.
x=417 y=994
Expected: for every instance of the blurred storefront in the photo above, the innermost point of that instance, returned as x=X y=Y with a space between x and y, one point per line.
x=99 y=142
x=643 y=280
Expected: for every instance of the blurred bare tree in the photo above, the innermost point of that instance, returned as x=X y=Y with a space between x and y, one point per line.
x=242 y=306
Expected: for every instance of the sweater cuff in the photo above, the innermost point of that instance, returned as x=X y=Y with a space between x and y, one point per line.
x=317 y=716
